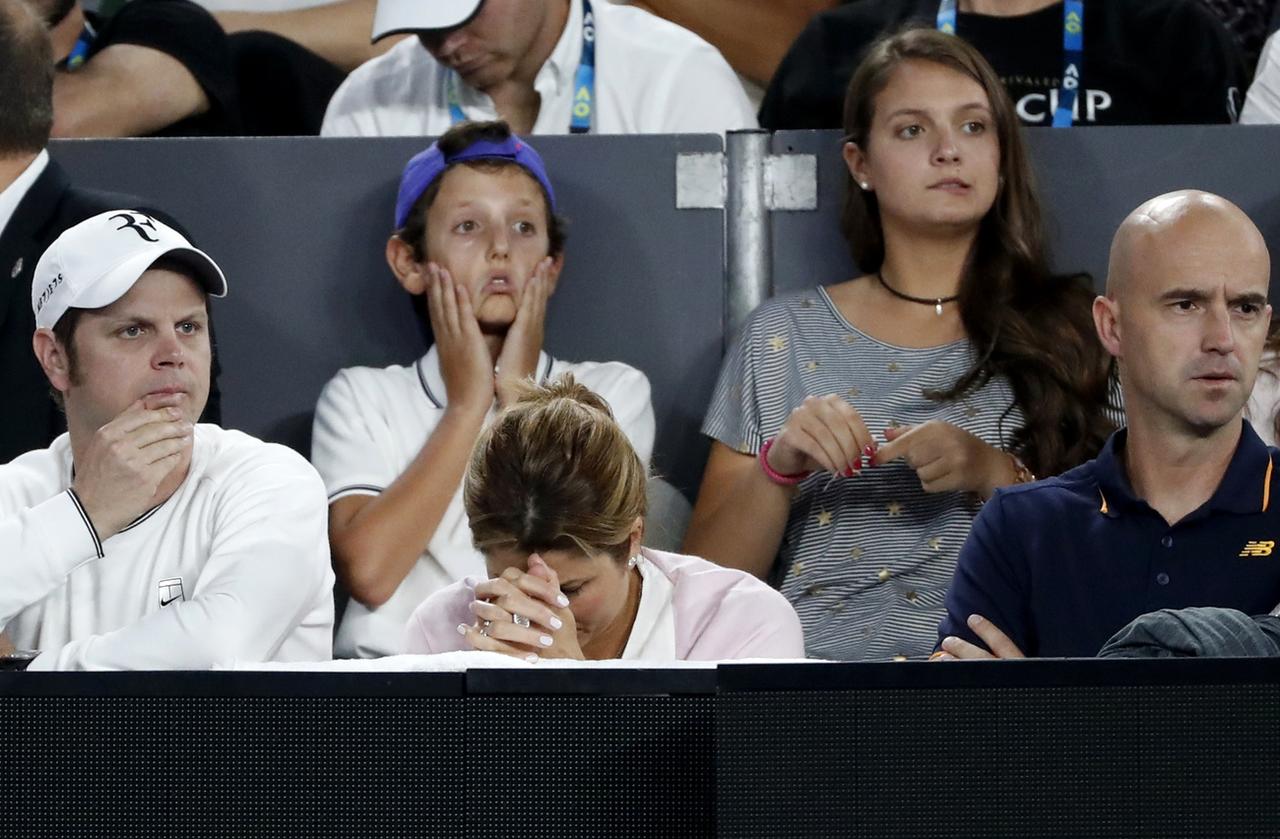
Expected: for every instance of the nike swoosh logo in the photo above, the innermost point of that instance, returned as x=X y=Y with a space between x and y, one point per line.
x=164 y=603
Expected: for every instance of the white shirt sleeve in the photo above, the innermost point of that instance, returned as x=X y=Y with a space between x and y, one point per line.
x=39 y=548
x=345 y=446
x=705 y=96
x=1262 y=104
x=627 y=391
x=267 y=569
x=347 y=115
x=634 y=412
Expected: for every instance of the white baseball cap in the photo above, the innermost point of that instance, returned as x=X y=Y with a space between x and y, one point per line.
x=392 y=17
x=96 y=262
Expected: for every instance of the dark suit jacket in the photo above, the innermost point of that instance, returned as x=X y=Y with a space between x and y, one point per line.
x=29 y=419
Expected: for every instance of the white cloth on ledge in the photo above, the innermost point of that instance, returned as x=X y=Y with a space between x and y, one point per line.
x=460 y=662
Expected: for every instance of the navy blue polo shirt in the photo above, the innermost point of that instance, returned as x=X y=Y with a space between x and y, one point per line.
x=1062 y=564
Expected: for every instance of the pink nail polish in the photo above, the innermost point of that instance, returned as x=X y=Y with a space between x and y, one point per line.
x=556 y=623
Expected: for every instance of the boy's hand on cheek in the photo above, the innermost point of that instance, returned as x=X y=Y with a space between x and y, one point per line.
x=465 y=365
x=519 y=357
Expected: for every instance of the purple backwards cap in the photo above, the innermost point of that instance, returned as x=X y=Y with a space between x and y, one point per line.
x=423 y=169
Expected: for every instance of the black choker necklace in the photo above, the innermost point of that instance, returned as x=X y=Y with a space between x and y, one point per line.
x=935 y=302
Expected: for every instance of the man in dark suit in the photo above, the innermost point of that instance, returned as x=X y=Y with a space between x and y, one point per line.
x=37 y=203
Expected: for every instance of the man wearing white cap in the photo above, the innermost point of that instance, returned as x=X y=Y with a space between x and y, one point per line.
x=543 y=66
x=139 y=539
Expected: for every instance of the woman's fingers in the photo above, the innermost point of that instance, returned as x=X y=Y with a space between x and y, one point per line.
x=513 y=597
x=831 y=432
x=820 y=448
x=480 y=639
x=504 y=627
x=938 y=476
x=543 y=585
x=846 y=426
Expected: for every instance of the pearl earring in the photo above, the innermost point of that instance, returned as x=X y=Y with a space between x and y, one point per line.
x=865 y=185
x=634 y=561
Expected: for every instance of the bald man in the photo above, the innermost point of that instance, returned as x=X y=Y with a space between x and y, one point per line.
x=1181 y=508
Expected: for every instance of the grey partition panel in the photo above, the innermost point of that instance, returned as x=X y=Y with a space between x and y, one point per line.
x=1090 y=179
x=232 y=754
x=299 y=226
x=808 y=249
x=1096 y=748
x=587 y=753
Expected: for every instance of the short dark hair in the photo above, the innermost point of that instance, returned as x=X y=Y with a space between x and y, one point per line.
x=457 y=138
x=26 y=97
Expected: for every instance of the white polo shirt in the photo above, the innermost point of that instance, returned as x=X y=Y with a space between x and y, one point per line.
x=371 y=423
x=652 y=77
x=233 y=567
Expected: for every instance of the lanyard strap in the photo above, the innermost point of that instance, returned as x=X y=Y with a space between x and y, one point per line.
x=81 y=50
x=584 y=80
x=1072 y=53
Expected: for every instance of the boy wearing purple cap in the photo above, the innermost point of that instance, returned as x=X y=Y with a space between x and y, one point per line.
x=478 y=240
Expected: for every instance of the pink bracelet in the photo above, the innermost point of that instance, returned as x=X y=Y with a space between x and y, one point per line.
x=775 y=476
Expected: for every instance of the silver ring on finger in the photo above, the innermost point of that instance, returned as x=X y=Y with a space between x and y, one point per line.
x=484 y=627
x=519 y=620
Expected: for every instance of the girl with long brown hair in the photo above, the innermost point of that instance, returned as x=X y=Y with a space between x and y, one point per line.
x=858 y=426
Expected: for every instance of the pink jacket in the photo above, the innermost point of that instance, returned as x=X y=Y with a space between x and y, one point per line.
x=720 y=613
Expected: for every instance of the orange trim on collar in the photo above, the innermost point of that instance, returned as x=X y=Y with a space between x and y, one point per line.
x=1103 y=508
x=1266 y=485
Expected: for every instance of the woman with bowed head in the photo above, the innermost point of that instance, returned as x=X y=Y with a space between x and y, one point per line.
x=555 y=497
x=858 y=426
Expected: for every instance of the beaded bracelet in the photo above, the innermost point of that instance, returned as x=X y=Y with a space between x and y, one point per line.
x=772 y=474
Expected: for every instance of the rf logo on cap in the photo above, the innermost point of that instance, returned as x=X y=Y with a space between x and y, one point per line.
x=135 y=222
x=94 y=263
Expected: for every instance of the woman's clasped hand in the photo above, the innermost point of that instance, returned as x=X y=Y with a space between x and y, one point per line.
x=523 y=614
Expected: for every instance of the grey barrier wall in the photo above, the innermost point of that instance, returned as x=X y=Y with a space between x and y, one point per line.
x=1090 y=179
x=1067 y=748
x=299 y=226
x=1049 y=747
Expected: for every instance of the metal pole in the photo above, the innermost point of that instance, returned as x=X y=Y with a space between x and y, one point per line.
x=748 y=249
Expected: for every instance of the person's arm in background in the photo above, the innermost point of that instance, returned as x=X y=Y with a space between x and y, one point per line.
x=125 y=91
x=740 y=516
x=338 y=32
x=155 y=63
x=753 y=35
x=807 y=87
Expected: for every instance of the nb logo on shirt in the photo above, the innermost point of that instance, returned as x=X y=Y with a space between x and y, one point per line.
x=1258 y=548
